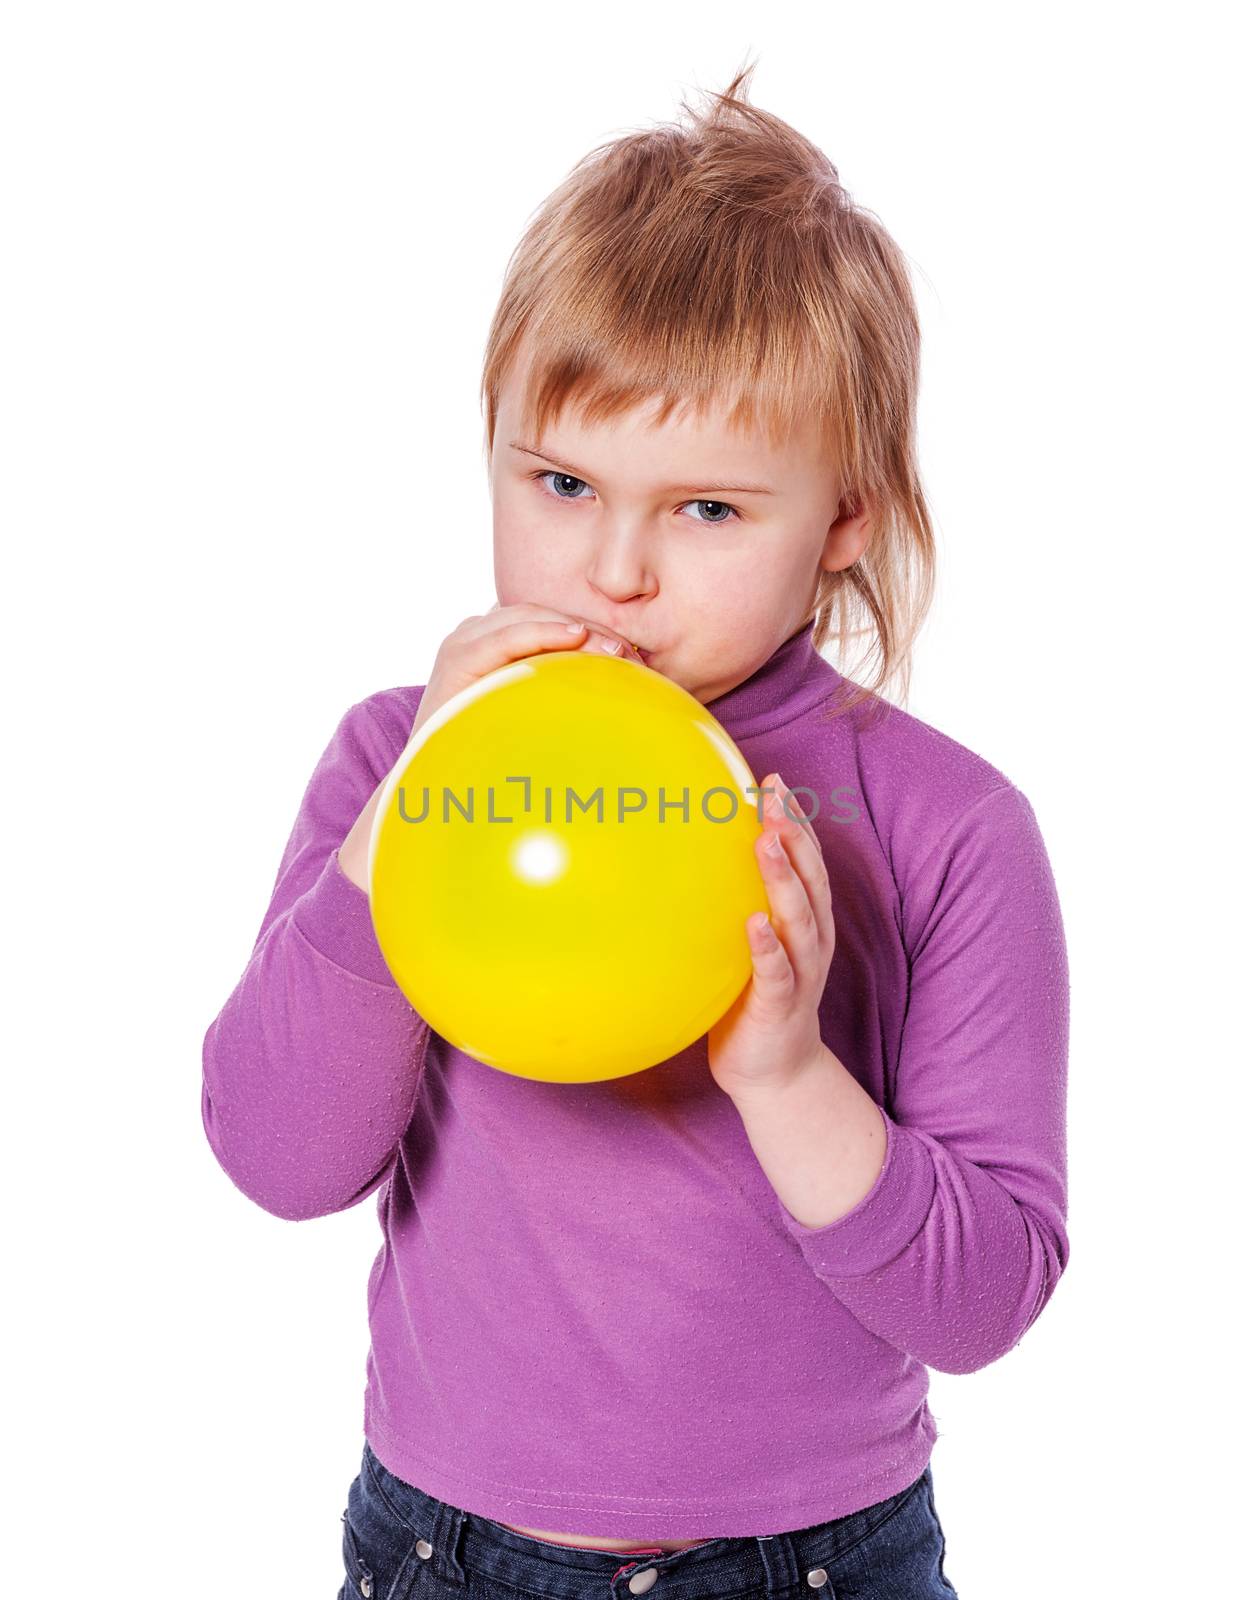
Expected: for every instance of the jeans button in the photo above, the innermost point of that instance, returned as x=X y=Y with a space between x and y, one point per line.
x=642 y=1581
x=424 y=1549
x=817 y=1576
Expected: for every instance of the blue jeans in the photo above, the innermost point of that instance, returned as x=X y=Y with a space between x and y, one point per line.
x=400 y=1543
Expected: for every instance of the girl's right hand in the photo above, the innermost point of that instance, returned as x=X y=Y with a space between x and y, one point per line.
x=478 y=646
x=506 y=634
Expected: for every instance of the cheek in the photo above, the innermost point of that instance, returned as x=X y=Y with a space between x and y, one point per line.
x=529 y=561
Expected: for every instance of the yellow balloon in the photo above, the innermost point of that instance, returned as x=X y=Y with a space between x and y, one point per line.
x=537 y=890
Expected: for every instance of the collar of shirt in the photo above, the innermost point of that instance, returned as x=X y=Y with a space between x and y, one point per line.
x=795 y=678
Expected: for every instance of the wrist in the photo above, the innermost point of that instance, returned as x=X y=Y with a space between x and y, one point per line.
x=819 y=1137
x=813 y=1064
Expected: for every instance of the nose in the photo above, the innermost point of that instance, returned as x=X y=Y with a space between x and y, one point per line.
x=622 y=568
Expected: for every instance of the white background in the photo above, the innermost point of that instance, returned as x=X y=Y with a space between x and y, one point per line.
x=251 y=255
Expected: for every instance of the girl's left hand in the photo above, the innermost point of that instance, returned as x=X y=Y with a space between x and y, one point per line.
x=772 y=1030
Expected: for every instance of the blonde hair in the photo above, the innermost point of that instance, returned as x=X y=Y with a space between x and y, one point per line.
x=693 y=265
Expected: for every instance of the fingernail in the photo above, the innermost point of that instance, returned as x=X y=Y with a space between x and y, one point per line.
x=773 y=844
x=611 y=646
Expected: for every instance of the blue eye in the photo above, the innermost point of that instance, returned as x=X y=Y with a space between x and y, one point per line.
x=713 y=522
x=567 y=478
x=564 y=477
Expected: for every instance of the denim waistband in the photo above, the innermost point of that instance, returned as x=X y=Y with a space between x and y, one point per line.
x=457 y=1542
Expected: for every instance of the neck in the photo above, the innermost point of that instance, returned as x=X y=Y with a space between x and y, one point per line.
x=791 y=680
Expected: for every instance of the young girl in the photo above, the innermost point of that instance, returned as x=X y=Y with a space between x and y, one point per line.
x=671 y=1330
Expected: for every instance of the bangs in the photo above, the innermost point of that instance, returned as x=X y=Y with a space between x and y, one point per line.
x=756 y=379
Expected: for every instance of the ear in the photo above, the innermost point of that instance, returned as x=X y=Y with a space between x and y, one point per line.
x=848 y=535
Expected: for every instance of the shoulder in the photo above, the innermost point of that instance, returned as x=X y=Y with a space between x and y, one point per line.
x=929 y=796
x=367 y=740
x=386 y=716
x=901 y=748
x=963 y=841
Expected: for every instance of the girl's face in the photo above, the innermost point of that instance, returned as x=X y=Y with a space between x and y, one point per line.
x=701 y=545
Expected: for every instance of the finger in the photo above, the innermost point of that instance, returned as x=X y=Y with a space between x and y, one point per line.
x=793 y=915
x=774 y=982
x=609 y=645
x=792 y=811
x=500 y=616
x=516 y=640
x=805 y=855
x=525 y=610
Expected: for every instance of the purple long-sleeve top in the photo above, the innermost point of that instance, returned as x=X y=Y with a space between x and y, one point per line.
x=590 y=1310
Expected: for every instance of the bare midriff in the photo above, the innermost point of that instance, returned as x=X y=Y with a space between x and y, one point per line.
x=589 y=1542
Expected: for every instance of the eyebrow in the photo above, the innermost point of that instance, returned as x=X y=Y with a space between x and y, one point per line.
x=672 y=488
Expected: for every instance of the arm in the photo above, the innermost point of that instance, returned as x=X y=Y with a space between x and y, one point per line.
x=311 y=1068
x=958 y=1244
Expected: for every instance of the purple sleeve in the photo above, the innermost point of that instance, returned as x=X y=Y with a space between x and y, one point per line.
x=960 y=1243
x=312 y=1066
